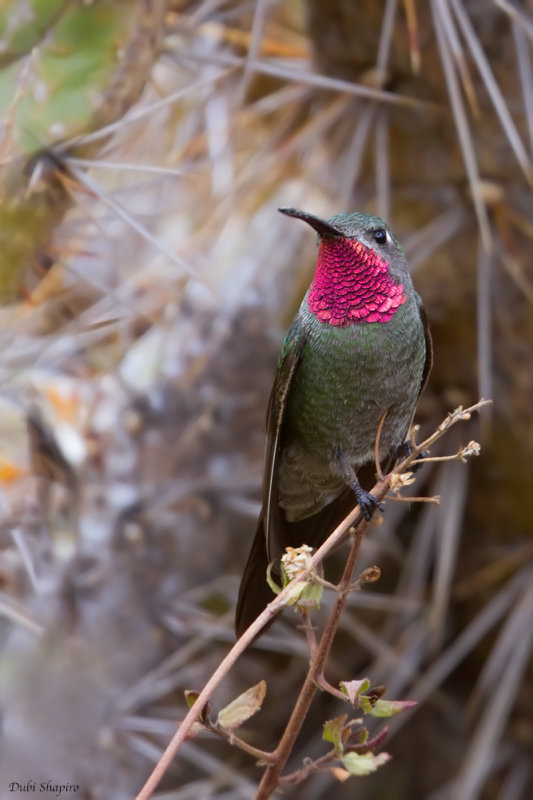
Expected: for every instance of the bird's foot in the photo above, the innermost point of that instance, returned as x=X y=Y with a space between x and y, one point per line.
x=367 y=502
x=405 y=449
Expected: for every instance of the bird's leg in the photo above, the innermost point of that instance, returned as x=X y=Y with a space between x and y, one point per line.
x=367 y=502
x=405 y=449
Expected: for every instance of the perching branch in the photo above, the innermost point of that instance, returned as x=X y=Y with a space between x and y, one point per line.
x=318 y=662
x=273 y=608
x=277 y=759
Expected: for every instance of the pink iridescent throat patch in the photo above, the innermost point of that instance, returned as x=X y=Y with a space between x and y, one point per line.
x=352 y=284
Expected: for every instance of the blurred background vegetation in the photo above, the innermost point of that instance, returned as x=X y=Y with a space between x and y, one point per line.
x=146 y=280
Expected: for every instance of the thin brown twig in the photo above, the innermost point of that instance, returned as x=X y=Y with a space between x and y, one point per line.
x=379 y=471
x=261 y=756
x=272 y=774
x=399 y=499
x=313 y=765
x=281 y=753
x=309 y=630
x=431 y=459
x=273 y=608
x=309 y=767
x=459 y=414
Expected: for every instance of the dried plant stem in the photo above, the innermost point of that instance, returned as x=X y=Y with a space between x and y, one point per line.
x=299 y=775
x=261 y=756
x=310 y=766
x=273 y=608
x=319 y=652
x=376 y=445
x=272 y=774
x=399 y=499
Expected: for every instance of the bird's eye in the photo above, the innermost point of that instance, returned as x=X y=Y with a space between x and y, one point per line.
x=380 y=235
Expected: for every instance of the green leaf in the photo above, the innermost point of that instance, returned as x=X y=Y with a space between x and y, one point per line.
x=271 y=582
x=353 y=689
x=191 y=697
x=302 y=593
x=387 y=708
x=364 y=703
x=308 y=595
x=357 y=737
x=333 y=732
x=243 y=707
x=365 y=764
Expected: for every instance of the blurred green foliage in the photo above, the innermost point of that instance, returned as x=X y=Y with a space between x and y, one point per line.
x=65 y=70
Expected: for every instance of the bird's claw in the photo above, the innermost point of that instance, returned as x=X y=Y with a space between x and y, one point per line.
x=405 y=449
x=368 y=504
x=366 y=501
x=416 y=466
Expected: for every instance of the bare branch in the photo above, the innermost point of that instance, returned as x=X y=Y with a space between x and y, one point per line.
x=319 y=650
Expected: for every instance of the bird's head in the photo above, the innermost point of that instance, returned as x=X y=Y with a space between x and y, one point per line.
x=361 y=270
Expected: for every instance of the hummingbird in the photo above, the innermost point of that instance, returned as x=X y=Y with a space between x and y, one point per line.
x=358 y=352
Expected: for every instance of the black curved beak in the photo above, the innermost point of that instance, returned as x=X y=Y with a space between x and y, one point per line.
x=322 y=227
